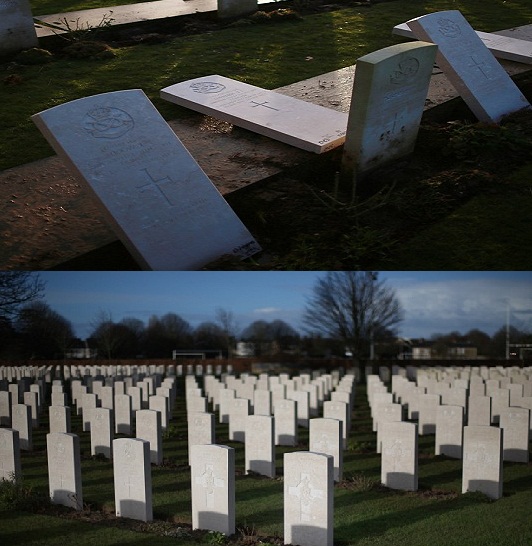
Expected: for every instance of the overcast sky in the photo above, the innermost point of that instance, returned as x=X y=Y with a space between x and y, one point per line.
x=433 y=302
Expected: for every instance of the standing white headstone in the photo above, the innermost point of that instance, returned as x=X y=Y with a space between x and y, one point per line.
x=285 y=424
x=17 y=30
x=387 y=103
x=308 y=499
x=469 y=65
x=21 y=421
x=325 y=436
x=200 y=430
x=259 y=445
x=515 y=423
x=159 y=201
x=59 y=417
x=102 y=430
x=132 y=479
x=482 y=461
x=123 y=414
x=212 y=478
x=292 y=121
x=399 y=464
x=10 y=469
x=449 y=431
x=148 y=427
x=64 y=469
x=5 y=408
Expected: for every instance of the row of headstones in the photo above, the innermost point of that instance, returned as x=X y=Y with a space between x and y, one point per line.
x=48 y=373
x=142 y=153
x=133 y=484
x=308 y=484
x=481 y=446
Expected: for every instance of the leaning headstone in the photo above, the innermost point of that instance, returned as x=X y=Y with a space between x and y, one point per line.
x=399 y=464
x=472 y=69
x=230 y=9
x=308 y=499
x=132 y=479
x=387 y=103
x=160 y=203
x=17 y=30
x=200 y=430
x=325 y=436
x=292 y=121
x=148 y=427
x=10 y=469
x=516 y=434
x=259 y=445
x=449 y=431
x=64 y=469
x=212 y=478
x=482 y=461
x=21 y=421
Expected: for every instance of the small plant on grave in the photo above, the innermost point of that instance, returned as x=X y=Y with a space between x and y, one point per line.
x=215 y=537
x=17 y=496
x=75 y=31
x=359 y=482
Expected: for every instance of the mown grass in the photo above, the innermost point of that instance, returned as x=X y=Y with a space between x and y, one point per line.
x=269 y=56
x=364 y=513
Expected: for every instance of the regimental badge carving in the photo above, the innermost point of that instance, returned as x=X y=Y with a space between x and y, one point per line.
x=129 y=453
x=449 y=28
x=405 y=70
x=108 y=122
x=207 y=87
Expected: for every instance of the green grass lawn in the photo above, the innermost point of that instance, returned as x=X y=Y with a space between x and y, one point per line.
x=364 y=513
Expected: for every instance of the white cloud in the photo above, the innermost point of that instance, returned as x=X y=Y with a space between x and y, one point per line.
x=267 y=310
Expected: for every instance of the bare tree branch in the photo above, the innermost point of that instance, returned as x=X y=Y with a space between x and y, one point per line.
x=18 y=288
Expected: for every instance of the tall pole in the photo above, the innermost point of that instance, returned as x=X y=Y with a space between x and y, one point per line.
x=507 y=331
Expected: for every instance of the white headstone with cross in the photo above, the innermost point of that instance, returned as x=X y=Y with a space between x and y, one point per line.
x=325 y=436
x=213 y=488
x=259 y=445
x=293 y=121
x=469 y=65
x=399 y=466
x=64 y=469
x=148 y=427
x=482 y=461
x=156 y=197
x=387 y=103
x=308 y=499
x=515 y=423
x=449 y=431
x=132 y=479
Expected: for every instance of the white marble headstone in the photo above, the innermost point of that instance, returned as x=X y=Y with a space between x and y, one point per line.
x=325 y=436
x=449 y=431
x=10 y=469
x=482 y=468
x=308 y=499
x=148 y=427
x=399 y=464
x=387 y=103
x=132 y=479
x=259 y=445
x=469 y=65
x=212 y=478
x=17 y=30
x=160 y=203
x=292 y=121
x=64 y=469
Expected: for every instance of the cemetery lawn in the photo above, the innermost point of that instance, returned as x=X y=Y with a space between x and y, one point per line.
x=460 y=202
x=365 y=512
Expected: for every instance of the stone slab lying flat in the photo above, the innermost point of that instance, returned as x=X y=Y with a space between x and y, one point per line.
x=502 y=45
x=292 y=121
x=153 y=193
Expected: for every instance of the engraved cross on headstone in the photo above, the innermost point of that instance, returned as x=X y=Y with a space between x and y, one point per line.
x=263 y=104
x=209 y=482
x=481 y=66
x=155 y=185
x=398 y=453
x=306 y=494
